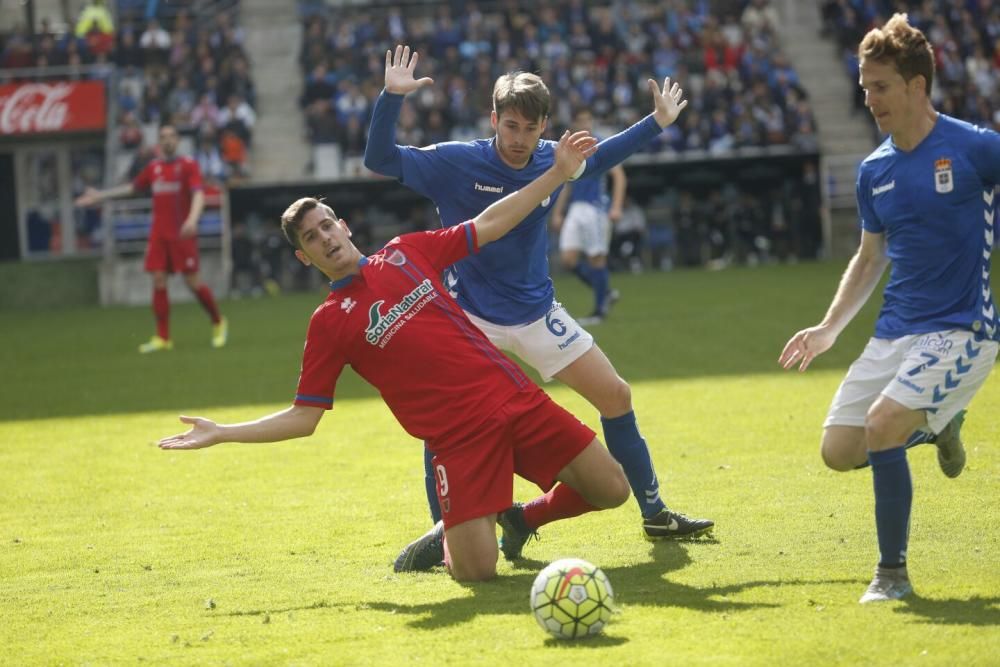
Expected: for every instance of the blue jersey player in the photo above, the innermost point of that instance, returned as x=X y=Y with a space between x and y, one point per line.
x=926 y=200
x=506 y=290
x=584 y=215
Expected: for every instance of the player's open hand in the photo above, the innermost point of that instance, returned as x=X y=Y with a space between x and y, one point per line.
x=399 y=68
x=805 y=346
x=89 y=197
x=669 y=102
x=203 y=433
x=572 y=151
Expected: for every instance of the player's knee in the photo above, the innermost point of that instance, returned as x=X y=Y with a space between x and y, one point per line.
x=881 y=428
x=474 y=570
x=619 y=397
x=614 y=489
x=621 y=490
x=836 y=459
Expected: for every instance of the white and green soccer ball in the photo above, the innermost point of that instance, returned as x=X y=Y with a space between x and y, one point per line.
x=572 y=598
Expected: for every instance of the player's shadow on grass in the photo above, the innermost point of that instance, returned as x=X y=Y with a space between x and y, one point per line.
x=973 y=611
x=641 y=584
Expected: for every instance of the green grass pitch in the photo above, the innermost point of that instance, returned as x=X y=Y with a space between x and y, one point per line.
x=114 y=552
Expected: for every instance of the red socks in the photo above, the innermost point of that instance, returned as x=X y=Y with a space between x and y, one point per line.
x=208 y=303
x=161 y=310
x=561 y=502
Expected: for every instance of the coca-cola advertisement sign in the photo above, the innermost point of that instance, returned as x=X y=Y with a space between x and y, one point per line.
x=45 y=107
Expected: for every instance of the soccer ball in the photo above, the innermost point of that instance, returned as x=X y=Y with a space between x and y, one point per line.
x=572 y=598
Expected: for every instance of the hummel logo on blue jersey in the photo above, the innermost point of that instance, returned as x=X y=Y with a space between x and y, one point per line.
x=490 y=188
x=883 y=188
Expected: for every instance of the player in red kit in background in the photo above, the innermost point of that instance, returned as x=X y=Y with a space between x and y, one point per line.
x=178 y=200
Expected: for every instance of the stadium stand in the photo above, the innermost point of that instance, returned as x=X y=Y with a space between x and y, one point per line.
x=743 y=90
x=765 y=153
x=182 y=62
x=744 y=93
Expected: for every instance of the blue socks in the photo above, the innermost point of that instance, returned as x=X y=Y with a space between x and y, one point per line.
x=628 y=447
x=597 y=279
x=430 y=486
x=583 y=271
x=600 y=279
x=918 y=438
x=893 y=499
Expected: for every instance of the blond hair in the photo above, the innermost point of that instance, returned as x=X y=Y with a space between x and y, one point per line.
x=904 y=46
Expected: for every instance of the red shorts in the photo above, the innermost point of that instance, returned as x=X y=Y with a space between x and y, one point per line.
x=171 y=255
x=530 y=436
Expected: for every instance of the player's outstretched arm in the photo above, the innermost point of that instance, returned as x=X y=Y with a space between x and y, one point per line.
x=856 y=285
x=399 y=68
x=381 y=152
x=668 y=102
x=93 y=196
x=503 y=215
x=296 y=421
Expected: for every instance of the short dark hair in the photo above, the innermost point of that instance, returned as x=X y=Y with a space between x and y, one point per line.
x=904 y=46
x=291 y=219
x=524 y=93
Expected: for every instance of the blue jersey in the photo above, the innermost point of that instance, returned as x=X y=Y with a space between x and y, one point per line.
x=508 y=281
x=935 y=204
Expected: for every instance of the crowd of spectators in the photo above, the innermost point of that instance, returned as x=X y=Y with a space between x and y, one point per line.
x=169 y=67
x=965 y=35
x=742 y=88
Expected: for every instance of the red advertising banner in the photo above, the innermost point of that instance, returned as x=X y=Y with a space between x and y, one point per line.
x=44 y=107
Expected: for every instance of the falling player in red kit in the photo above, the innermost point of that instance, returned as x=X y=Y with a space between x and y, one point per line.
x=178 y=200
x=391 y=319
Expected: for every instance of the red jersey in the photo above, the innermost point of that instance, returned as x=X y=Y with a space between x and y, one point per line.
x=172 y=183
x=398 y=328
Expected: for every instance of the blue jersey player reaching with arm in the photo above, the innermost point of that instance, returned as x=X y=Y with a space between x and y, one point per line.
x=926 y=200
x=506 y=290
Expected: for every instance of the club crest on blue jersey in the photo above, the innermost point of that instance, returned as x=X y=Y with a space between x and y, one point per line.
x=943 y=181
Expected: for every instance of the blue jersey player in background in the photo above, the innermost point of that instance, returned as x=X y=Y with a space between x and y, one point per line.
x=926 y=200
x=584 y=216
x=506 y=289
